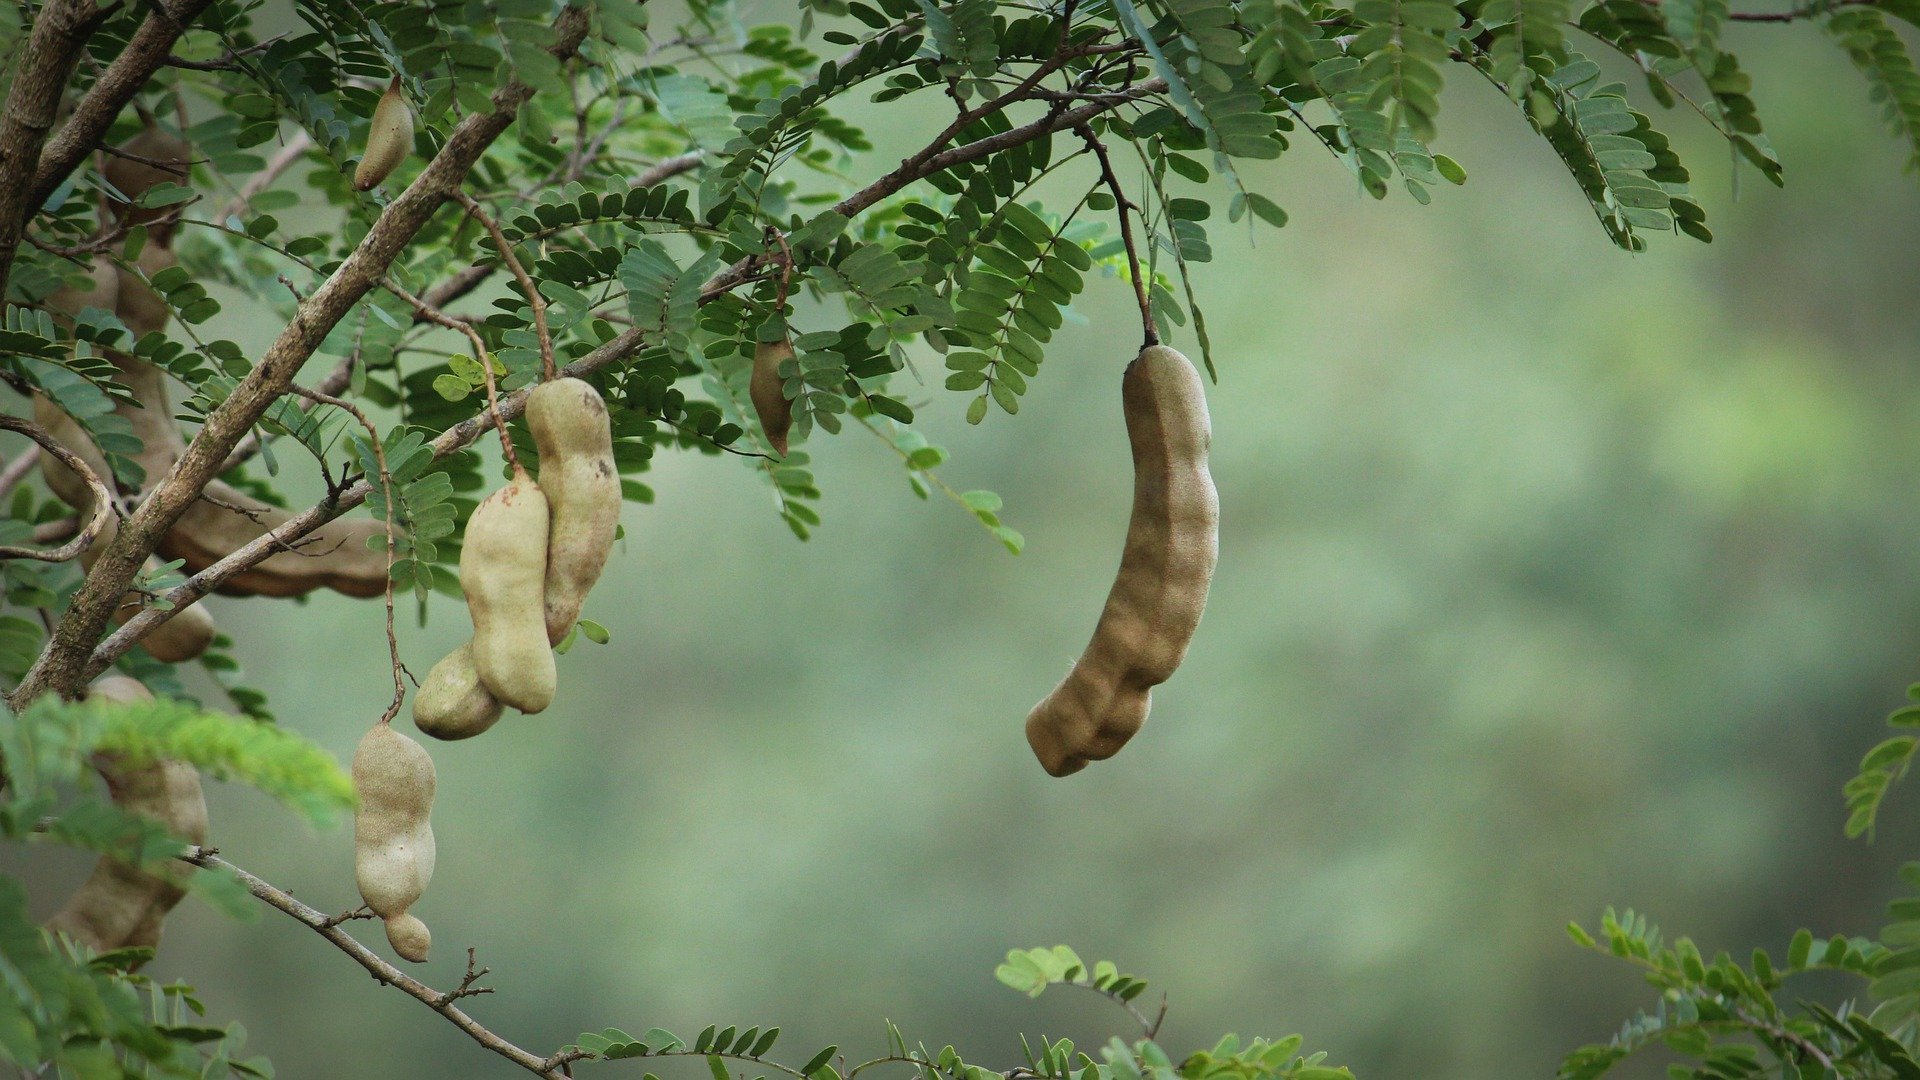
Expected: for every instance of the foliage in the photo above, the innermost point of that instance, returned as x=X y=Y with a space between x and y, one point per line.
x=1028 y=970
x=683 y=192
x=1724 y=1019
x=95 y=1015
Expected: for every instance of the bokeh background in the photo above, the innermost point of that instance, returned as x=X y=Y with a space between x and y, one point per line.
x=1551 y=578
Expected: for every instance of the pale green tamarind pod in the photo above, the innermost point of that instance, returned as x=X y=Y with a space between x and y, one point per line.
x=571 y=429
x=122 y=905
x=1161 y=589
x=389 y=139
x=768 y=390
x=452 y=704
x=392 y=834
x=503 y=571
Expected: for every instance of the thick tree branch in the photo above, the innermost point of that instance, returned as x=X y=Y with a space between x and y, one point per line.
x=60 y=664
x=439 y=1001
x=52 y=50
x=146 y=51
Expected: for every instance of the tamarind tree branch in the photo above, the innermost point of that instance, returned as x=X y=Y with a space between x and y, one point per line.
x=439 y=1001
x=59 y=666
x=47 y=60
x=102 y=495
x=147 y=50
x=616 y=350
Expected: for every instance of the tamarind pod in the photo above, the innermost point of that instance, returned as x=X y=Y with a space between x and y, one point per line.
x=393 y=850
x=389 y=139
x=139 y=306
x=571 y=429
x=101 y=291
x=768 y=390
x=120 y=905
x=134 y=178
x=341 y=555
x=452 y=704
x=503 y=570
x=1161 y=588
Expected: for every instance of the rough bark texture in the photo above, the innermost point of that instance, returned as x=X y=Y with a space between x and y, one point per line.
x=46 y=62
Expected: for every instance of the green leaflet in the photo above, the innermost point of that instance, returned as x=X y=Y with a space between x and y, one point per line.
x=1882 y=57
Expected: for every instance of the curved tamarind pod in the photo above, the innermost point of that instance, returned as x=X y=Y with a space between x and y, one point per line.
x=389 y=139
x=570 y=427
x=1161 y=589
x=133 y=179
x=452 y=704
x=393 y=848
x=768 y=391
x=503 y=570
x=120 y=905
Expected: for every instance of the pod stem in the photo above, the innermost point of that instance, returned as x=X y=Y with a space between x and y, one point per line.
x=1124 y=208
x=440 y=318
x=786 y=269
x=386 y=487
x=537 y=302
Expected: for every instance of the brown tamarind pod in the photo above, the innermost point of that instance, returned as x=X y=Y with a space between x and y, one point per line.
x=392 y=835
x=768 y=390
x=389 y=139
x=1161 y=589
x=452 y=704
x=102 y=290
x=158 y=156
x=139 y=306
x=570 y=427
x=120 y=905
x=503 y=570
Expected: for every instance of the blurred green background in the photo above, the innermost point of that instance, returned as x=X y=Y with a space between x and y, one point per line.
x=1550 y=578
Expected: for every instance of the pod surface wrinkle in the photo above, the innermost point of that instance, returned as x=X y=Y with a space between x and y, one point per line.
x=1160 y=591
x=574 y=435
x=393 y=846
x=503 y=571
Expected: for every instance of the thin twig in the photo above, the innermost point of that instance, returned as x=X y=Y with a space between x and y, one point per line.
x=1124 y=209
x=386 y=485
x=102 y=496
x=439 y=1001
x=17 y=470
x=527 y=286
x=480 y=353
x=335 y=381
